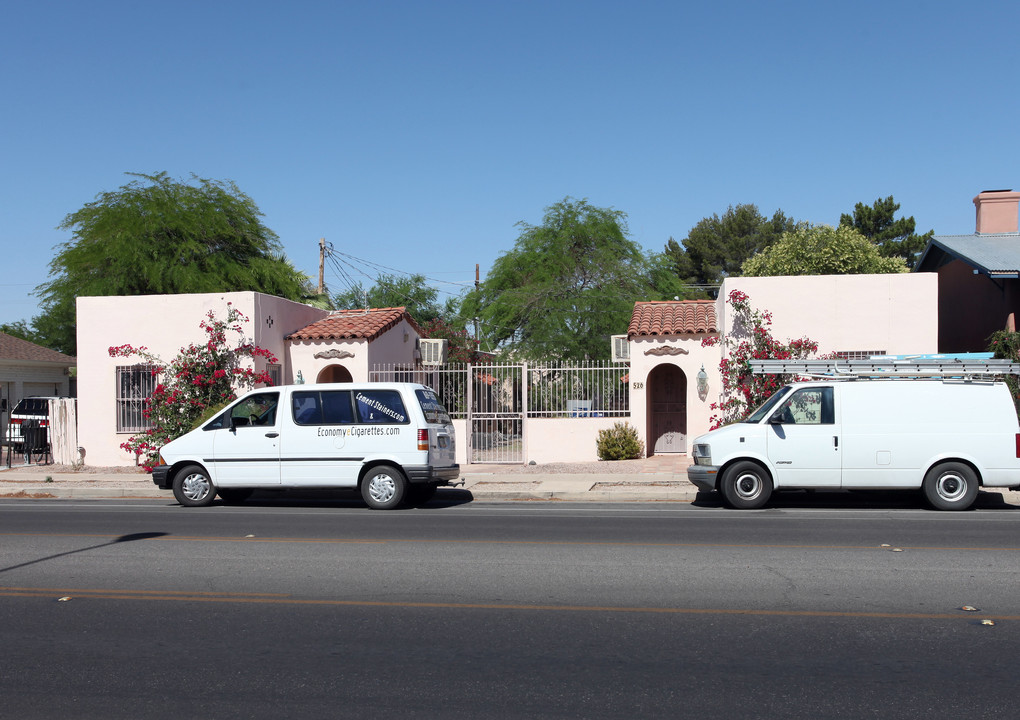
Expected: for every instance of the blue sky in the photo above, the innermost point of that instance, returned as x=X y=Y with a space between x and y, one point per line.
x=414 y=135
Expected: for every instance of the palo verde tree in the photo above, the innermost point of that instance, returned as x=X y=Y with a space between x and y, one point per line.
x=894 y=238
x=822 y=250
x=159 y=236
x=718 y=246
x=567 y=285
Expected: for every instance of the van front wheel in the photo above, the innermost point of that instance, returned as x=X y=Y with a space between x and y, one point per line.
x=950 y=486
x=746 y=486
x=192 y=487
x=383 y=487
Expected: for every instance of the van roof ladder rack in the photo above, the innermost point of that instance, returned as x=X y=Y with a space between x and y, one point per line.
x=922 y=367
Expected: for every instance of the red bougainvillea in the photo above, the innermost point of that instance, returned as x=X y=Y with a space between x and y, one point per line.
x=750 y=339
x=201 y=377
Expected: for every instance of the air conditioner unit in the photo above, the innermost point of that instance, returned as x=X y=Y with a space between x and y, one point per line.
x=433 y=352
x=621 y=348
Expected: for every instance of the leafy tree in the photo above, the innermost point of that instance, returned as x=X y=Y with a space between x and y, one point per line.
x=894 y=238
x=204 y=376
x=567 y=285
x=822 y=250
x=19 y=329
x=750 y=338
x=718 y=246
x=1005 y=345
x=158 y=236
x=411 y=292
x=462 y=348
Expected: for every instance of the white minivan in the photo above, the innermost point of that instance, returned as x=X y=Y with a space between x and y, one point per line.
x=393 y=441
x=944 y=436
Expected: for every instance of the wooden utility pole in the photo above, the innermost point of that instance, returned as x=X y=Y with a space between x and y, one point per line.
x=322 y=263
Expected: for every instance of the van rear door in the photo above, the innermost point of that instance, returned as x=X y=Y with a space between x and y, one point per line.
x=441 y=437
x=803 y=439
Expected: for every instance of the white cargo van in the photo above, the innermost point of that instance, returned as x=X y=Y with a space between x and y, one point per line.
x=946 y=436
x=393 y=441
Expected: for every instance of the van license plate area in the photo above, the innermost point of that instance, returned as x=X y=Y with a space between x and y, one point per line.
x=444 y=441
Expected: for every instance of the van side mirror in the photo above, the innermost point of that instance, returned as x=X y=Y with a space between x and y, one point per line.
x=235 y=422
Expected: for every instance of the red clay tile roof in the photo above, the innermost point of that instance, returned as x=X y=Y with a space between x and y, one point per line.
x=675 y=317
x=359 y=324
x=16 y=349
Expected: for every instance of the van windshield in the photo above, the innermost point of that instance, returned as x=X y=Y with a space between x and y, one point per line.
x=766 y=409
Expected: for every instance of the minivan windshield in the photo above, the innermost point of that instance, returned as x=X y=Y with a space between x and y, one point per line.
x=766 y=409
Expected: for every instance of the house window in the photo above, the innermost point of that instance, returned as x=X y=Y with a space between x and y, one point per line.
x=275 y=373
x=135 y=384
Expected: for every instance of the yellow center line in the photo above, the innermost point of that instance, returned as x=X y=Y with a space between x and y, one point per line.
x=282 y=599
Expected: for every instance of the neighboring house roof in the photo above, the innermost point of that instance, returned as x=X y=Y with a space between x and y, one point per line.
x=678 y=317
x=14 y=349
x=992 y=254
x=354 y=324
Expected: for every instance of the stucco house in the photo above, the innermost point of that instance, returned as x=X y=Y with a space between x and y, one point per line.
x=979 y=274
x=310 y=344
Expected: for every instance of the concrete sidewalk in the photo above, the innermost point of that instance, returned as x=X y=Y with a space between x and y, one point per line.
x=655 y=479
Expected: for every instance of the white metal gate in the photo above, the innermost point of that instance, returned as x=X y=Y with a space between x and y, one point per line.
x=497 y=398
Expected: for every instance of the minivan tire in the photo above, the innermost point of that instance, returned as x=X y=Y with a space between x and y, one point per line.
x=192 y=486
x=746 y=486
x=950 y=486
x=383 y=487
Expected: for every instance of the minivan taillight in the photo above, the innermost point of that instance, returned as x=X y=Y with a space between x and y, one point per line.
x=1018 y=445
x=423 y=440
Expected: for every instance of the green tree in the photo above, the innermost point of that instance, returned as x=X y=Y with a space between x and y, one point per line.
x=411 y=292
x=567 y=285
x=718 y=246
x=159 y=236
x=894 y=238
x=19 y=329
x=822 y=250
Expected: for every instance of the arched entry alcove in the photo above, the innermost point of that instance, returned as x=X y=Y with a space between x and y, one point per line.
x=334 y=374
x=667 y=410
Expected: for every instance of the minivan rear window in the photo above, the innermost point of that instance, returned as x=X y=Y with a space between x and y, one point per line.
x=435 y=413
x=380 y=407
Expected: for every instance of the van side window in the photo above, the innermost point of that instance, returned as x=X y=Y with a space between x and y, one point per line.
x=380 y=407
x=330 y=407
x=258 y=409
x=807 y=406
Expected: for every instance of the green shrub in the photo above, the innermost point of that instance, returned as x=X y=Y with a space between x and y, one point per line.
x=620 y=442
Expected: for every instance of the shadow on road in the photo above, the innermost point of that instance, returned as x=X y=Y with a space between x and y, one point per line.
x=121 y=539
x=444 y=497
x=855 y=500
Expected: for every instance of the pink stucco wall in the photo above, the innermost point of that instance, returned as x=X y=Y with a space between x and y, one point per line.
x=163 y=324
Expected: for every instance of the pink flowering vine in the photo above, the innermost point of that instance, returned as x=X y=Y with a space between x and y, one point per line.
x=751 y=339
x=201 y=378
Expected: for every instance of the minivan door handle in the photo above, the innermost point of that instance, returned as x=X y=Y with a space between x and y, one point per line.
x=835 y=441
x=272 y=434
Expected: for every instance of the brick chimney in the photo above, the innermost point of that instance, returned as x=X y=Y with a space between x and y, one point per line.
x=997 y=211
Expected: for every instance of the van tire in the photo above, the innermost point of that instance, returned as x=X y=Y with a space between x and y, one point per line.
x=746 y=486
x=950 y=486
x=192 y=486
x=383 y=487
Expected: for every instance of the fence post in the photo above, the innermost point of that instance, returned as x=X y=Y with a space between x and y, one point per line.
x=469 y=422
x=524 y=414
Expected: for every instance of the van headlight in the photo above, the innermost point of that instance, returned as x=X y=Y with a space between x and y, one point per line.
x=702 y=454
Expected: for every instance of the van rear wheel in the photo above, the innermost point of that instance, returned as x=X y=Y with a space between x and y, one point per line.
x=192 y=486
x=950 y=486
x=746 y=486
x=384 y=487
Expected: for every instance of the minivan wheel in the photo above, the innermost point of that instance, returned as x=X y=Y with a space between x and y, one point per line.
x=746 y=486
x=950 y=486
x=383 y=488
x=192 y=487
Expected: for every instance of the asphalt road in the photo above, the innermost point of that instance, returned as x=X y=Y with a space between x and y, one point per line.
x=143 y=609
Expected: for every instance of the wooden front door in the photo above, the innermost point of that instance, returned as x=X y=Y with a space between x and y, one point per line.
x=667 y=386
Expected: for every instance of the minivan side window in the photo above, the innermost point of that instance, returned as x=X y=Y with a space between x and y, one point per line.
x=434 y=411
x=380 y=407
x=328 y=407
x=807 y=406
x=257 y=409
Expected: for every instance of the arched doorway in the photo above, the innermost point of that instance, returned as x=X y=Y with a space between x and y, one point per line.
x=334 y=374
x=667 y=410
